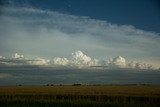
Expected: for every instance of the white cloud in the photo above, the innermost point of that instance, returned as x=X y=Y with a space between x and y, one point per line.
x=77 y=60
x=118 y=61
x=18 y=56
x=1 y=57
x=3 y=61
x=61 y=61
x=19 y=59
x=39 y=61
x=81 y=60
x=140 y=65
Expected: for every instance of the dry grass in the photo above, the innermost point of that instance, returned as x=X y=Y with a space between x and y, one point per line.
x=84 y=90
x=78 y=95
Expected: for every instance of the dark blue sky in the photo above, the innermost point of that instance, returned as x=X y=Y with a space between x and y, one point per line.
x=143 y=14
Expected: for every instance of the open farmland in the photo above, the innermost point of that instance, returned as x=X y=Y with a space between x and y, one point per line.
x=80 y=96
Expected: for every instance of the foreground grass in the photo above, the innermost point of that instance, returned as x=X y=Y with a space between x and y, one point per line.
x=80 y=96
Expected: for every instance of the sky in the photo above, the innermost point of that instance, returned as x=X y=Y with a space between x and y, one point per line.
x=80 y=32
x=143 y=14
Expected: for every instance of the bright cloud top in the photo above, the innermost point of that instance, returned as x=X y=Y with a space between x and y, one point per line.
x=38 y=32
x=117 y=61
x=17 y=56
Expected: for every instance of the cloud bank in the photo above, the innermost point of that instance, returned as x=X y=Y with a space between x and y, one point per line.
x=45 y=33
x=78 y=60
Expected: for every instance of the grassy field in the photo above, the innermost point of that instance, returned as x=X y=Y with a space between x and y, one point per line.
x=80 y=96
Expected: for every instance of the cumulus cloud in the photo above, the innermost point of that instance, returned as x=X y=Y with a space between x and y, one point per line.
x=1 y=57
x=18 y=56
x=16 y=59
x=19 y=59
x=61 y=61
x=140 y=65
x=46 y=33
x=118 y=61
x=81 y=60
x=2 y=60
x=39 y=61
x=77 y=60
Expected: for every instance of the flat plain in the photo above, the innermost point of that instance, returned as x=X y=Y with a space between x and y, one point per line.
x=80 y=96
